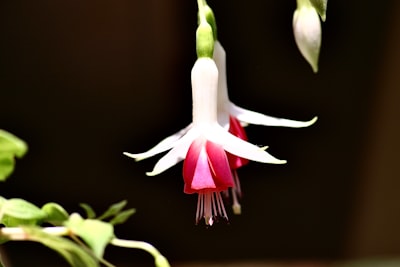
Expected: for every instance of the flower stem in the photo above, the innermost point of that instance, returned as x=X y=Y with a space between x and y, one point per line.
x=17 y=233
x=201 y=4
x=160 y=260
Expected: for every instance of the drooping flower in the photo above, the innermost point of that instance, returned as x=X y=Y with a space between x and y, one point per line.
x=234 y=118
x=203 y=139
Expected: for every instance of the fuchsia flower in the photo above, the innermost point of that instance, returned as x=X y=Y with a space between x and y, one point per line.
x=203 y=145
x=234 y=118
x=215 y=144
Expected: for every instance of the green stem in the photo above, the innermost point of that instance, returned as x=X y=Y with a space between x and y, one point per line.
x=160 y=260
x=89 y=251
x=303 y=3
x=135 y=244
x=201 y=4
x=17 y=233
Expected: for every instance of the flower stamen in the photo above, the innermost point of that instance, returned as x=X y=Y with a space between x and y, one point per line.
x=236 y=192
x=210 y=206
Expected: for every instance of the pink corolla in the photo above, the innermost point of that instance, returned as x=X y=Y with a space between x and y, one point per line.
x=204 y=145
x=206 y=171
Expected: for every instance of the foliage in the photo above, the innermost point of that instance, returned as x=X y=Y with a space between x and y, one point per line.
x=10 y=147
x=80 y=241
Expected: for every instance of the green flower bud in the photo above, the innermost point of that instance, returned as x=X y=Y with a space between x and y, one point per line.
x=204 y=40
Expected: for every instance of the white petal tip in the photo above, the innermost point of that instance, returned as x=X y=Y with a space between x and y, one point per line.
x=276 y=161
x=310 y=122
x=152 y=173
x=136 y=157
x=298 y=124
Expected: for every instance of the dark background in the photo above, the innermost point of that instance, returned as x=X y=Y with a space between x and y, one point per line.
x=84 y=81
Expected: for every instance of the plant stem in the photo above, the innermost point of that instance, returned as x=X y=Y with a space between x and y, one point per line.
x=17 y=233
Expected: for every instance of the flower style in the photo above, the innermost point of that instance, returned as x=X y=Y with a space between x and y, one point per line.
x=204 y=144
x=307 y=31
x=234 y=118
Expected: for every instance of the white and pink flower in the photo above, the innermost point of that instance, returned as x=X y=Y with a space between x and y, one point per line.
x=203 y=145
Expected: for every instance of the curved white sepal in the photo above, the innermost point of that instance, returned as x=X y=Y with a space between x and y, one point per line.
x=163 y=146
x=239 y=147
x=176 y=154
x=251 y=117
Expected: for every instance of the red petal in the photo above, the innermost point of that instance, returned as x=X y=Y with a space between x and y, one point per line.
x=196 y=169
x=237 y=130
x=236 y=162
x=189 y=164
x=220 y=166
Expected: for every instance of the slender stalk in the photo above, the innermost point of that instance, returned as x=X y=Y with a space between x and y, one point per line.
x=88 y=250
x=201 y=4
x=137 y=245
x=159 y=259
x=17 y=233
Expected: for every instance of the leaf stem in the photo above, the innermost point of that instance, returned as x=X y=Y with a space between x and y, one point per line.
x=17 y=233
x=160 y=260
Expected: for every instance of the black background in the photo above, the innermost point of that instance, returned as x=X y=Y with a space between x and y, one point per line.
x=84 y=81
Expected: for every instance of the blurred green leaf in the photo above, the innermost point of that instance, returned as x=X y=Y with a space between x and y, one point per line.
x=2 y=201
x=55 y=214
x=10 y=147
x=75 y=255
x=18 y=212
x=97 y=234
x=113 y=210
x=122 y=216
x=90 y=213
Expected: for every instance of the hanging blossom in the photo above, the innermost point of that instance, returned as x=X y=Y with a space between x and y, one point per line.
x=226 y=111
x=233 y=118
x=203 y=145
x=307 y=29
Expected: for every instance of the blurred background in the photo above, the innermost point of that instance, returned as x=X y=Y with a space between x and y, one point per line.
x=83 y=81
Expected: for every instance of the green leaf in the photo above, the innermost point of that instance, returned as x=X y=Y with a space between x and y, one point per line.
x=90 y=213
x=10 y=147
x=18 y=212
x=122 y=216
x=320 y=6
x=113 y=210
x=75 y=255
x=56 y=214
x=95 y=233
